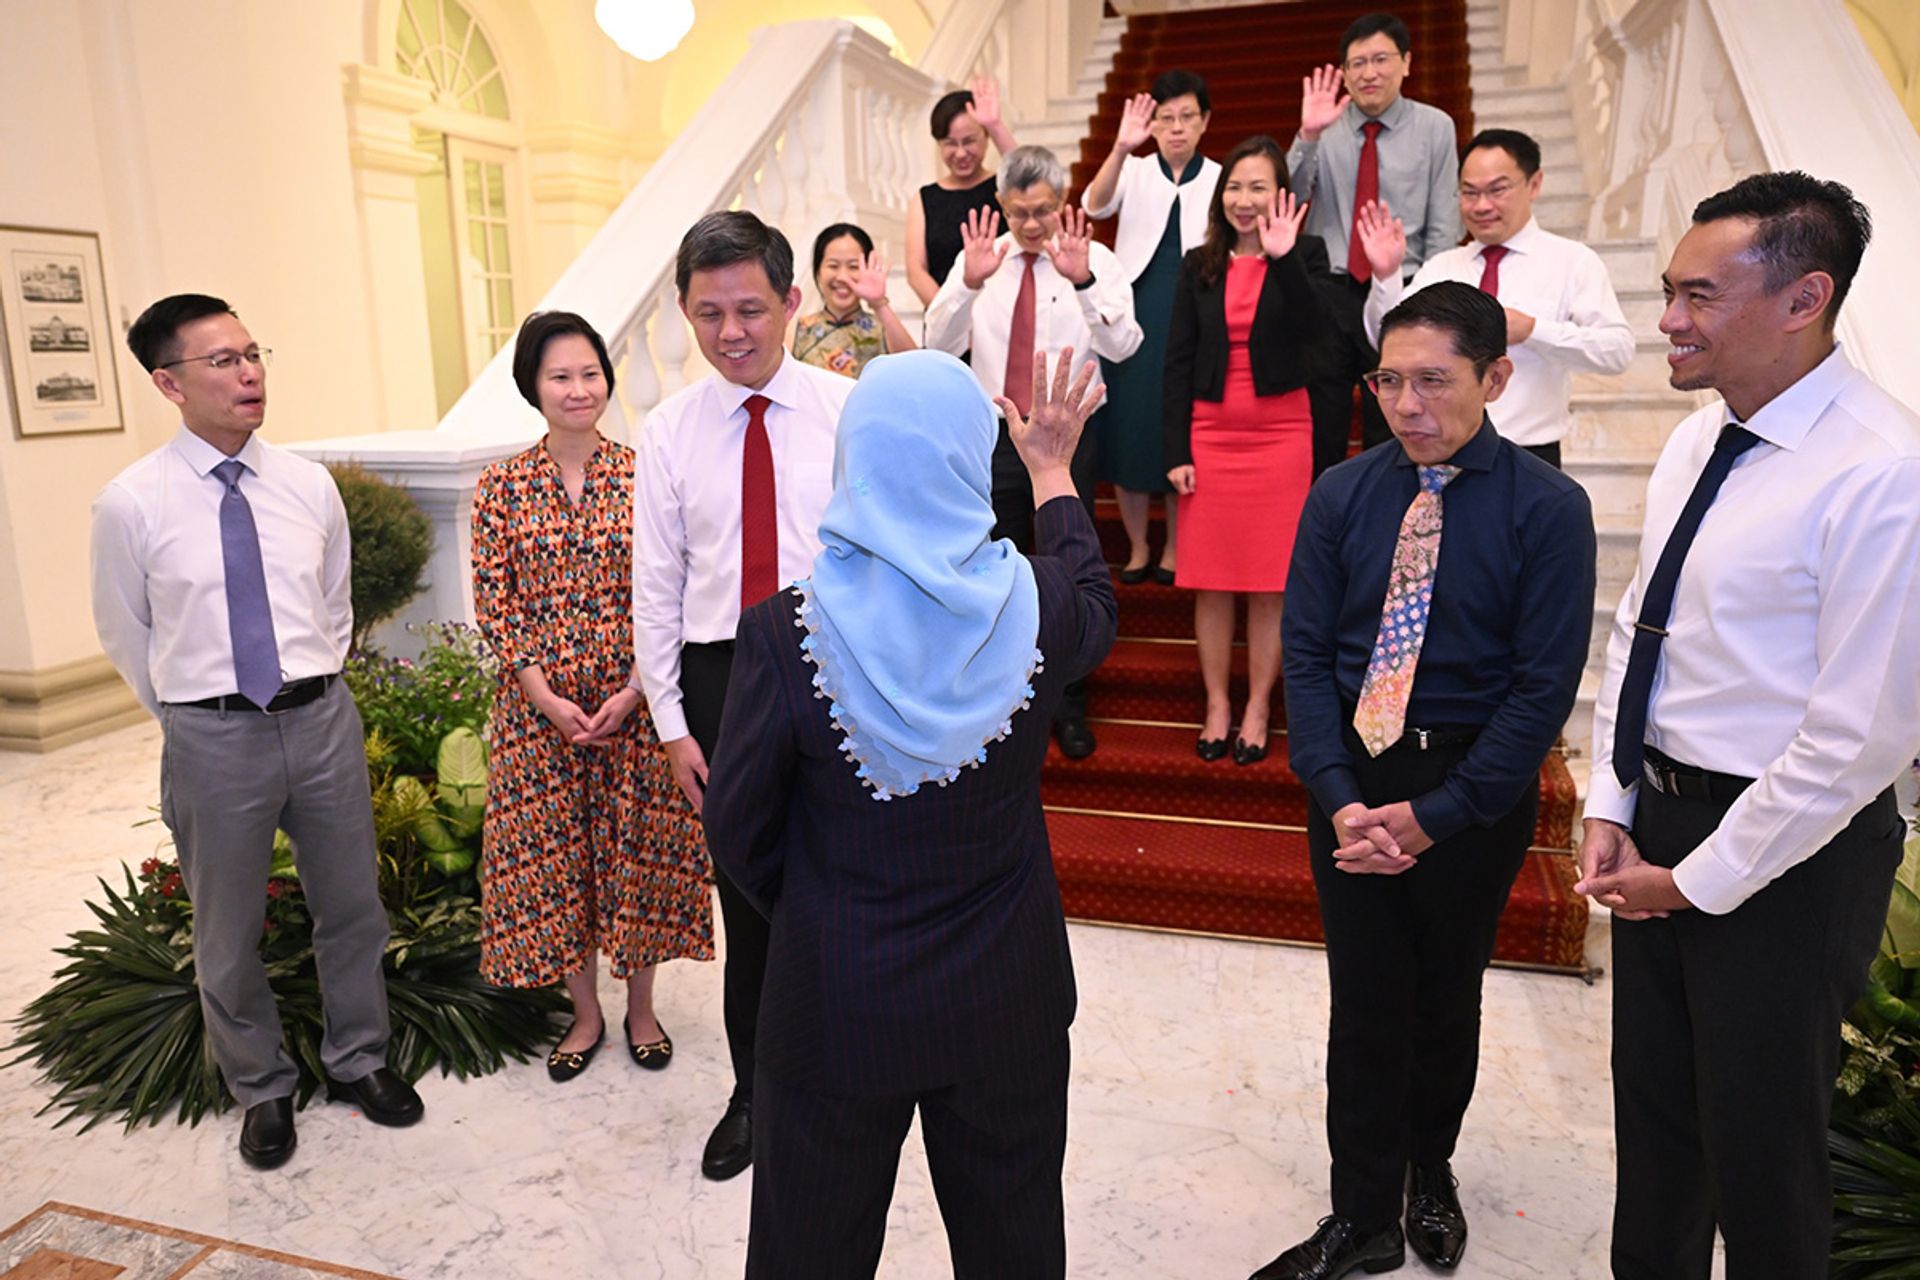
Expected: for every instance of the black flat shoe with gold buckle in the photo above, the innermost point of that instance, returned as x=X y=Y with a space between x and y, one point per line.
x=654 y=1056
x=562 y=1067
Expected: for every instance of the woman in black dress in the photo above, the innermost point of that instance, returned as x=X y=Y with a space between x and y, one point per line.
x=962 y=123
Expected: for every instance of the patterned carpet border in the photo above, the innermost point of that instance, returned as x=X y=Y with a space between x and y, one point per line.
x=70 y=1242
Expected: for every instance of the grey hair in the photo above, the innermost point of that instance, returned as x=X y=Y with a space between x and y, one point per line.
x=722 y=239
x=1026 y=167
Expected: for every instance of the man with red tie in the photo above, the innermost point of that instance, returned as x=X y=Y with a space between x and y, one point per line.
x=1562 y=315
x=733 y=475
x=1352 y=149
x=1044 y=285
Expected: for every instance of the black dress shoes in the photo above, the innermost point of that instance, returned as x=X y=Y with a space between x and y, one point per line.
x=1436 y=1228
x=1245 y=752
x=730 y=1148
x=1211 y=749
x=1076 y=739
x=1134 y=577
x=266 y=1135
x=655 y=1055
x=1163 y=575
x=1336 y=1248
x=382 y=1096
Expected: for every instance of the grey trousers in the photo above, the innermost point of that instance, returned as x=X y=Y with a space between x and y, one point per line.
x=227 y=779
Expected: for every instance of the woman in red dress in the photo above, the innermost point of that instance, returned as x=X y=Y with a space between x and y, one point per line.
x=1239 y=434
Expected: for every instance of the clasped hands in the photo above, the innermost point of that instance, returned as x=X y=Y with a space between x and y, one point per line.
x=1613 y=874
x=1382 y=841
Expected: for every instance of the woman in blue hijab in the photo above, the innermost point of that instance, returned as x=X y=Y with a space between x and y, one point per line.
x=876 y=793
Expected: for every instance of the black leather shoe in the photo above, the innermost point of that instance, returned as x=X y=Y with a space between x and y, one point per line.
x=1245 y=752
x=1336 y=1248
x=1436 y=1228
x=655 y=1055
x=1076 y=739
x=382 y=1096
x=730 y=1148
x=1134 y=577
x=1211 y=749
x=562 y=1067
x=1163 y=575
x=266 y=1135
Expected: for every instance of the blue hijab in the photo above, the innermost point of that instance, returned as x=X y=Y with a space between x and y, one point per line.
x=922 y=630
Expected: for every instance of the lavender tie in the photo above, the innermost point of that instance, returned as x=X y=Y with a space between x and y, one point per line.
x=256 y=657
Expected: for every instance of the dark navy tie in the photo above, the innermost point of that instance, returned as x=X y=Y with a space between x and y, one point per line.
x=256 y=657
x=1656 y=607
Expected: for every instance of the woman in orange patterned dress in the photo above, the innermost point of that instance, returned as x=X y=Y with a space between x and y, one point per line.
x=587 y=846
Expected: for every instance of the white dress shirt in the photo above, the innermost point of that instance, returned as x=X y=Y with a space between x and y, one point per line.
x=1143 y=196
x=1793 y=654
x=1096 y=320
x=686 y=512
x=1564 y=286
x=160 y=582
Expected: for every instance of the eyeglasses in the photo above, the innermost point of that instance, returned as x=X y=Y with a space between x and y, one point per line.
x=1497 y=192
x=1427 y=384
x=1016 y=216
x=1378 y=61
x=1187 y=118
x=258 y=357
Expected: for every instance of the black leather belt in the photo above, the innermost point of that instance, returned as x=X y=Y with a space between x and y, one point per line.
x=297 y=694
x=1429 y=739
x=1671 y=777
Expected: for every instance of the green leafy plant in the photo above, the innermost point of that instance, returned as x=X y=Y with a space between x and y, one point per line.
x=415 y=702
x=121 y=1033
x=392 y=541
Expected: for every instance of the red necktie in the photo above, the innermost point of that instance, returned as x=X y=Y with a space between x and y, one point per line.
x=759 y=518
x=1490 y=270
x=1019 y=386
x=1366 y=189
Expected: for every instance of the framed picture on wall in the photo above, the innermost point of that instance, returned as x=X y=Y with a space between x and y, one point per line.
x=58 y=347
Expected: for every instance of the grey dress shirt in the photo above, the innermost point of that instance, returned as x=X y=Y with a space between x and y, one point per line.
x=1419 y=178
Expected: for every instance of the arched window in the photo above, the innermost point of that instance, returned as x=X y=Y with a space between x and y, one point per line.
x=470 y=200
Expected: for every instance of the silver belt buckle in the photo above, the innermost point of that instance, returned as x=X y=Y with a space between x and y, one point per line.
x=1652 y=773
x=1421 y=736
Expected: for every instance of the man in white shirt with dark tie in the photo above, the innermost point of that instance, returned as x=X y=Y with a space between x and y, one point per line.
x=733 y=475
x=1043 y=286
x=1762 y=693
x=222 y=595
x=1562 y=316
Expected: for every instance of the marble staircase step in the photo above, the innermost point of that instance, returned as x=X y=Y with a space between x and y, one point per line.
x=1647 y=372
x=1618 y=540
x=1616 y=481
x=1616 y=419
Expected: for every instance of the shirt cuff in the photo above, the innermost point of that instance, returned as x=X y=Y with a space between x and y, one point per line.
x=1708 y=884
x=1440 y=814
x=1607 y=799
x=669 y=721
x=1335 y=788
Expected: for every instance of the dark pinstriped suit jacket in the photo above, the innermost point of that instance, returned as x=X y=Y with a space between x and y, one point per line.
x=919 y=941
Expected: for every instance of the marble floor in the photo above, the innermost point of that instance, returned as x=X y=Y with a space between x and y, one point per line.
x=1196 y=1149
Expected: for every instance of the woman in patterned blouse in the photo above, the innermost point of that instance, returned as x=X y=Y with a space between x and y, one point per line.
x=587 y=845
x=843 y=335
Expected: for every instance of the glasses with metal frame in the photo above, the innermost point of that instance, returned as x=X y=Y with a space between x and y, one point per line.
x=1378 y=61
x=258 y=357
x=1167 y=119
x=1427 y=384
x=1494 y=191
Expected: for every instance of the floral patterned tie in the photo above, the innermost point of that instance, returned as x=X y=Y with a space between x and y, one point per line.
x=1380 y=718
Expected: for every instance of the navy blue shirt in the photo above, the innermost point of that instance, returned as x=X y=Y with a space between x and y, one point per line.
x=1507 y=633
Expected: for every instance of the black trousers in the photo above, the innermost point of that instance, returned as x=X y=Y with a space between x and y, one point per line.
x=1405 y=956
x=1726 y=1041
x=1547 y=453
x=1013 y=518
x=704 y=669
x=824 y=1169
x=1335 y=363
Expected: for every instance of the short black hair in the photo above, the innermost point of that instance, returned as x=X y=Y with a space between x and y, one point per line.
x=1473 y=321
x=536 y=331
x=1372 y=24
x=1178 y=83
x=154 y=338
x=1524 y=150
x=722 y=239
x=834 y=232
x=1805 y=224
x=946 y=109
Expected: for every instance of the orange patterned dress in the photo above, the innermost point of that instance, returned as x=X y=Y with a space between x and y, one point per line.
x=591 y=847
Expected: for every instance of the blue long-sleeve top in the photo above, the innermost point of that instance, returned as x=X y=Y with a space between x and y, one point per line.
x=1507 y=631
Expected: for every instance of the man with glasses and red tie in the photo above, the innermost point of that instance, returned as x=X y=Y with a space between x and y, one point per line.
x=1439 y=605
x=222 y=594
x=733 y=475
x=1562 y=315
x=1352 y=149
x=1043 y=286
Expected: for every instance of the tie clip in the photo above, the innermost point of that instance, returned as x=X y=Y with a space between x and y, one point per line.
x=1649 y=627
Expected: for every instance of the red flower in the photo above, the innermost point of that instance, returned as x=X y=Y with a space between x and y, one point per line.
x=151 y=867
x=171 y=885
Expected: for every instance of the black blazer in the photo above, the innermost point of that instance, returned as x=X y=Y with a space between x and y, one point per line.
x=918 y=941
x=1287 y=318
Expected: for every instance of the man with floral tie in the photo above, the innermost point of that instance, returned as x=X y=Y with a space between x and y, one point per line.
x=1438 y=610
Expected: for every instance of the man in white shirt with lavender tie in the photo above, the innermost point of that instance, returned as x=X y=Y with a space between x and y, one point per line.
x=222 y=594
x=733 y=475
x=1762 y=693
x=1562 y=316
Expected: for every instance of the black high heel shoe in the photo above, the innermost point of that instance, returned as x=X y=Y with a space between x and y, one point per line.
x=1211 y=749
x=1246 y=753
